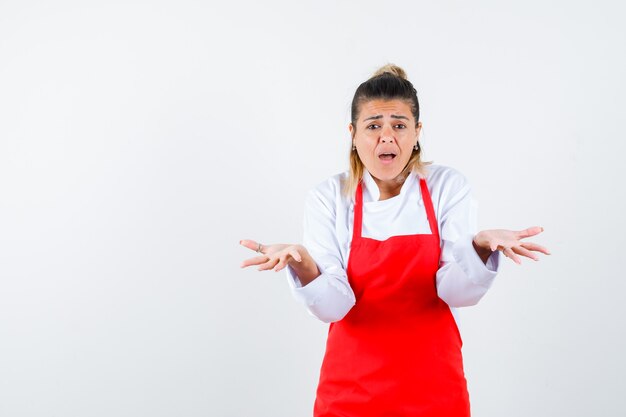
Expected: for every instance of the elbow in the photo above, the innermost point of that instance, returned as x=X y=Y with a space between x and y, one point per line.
x=466 y=303
x=331 y=315
x=457 y=289
x=336 y=303
x=328 y=319
x=458 y=300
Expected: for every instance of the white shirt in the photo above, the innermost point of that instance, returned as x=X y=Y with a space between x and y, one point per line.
x=462 y=278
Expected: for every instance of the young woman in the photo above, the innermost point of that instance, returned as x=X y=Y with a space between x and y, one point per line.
x=390 y=251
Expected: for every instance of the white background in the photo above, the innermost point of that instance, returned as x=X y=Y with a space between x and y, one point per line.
x=140 y=141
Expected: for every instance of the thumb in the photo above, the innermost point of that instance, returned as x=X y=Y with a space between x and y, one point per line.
x=295 y=255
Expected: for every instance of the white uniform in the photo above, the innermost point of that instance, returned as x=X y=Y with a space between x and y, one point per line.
x=462 y=278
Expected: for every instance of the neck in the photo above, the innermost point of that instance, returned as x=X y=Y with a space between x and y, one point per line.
x=389 y=188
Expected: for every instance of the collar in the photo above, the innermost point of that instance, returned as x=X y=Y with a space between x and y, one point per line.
x=371 y=192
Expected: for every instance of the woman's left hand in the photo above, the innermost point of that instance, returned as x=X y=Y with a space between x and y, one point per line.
x=509 y=242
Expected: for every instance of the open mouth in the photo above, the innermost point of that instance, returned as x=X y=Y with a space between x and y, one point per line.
x=387 y=156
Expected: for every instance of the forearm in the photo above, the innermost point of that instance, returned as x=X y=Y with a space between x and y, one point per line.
x=306 y=270
x=327 y=297
x=483 y=253
x=464 y=278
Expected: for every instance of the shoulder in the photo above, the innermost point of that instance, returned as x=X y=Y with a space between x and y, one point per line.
x=445 y=178
x=446 y=183
x=441 y=174
x=328 y=193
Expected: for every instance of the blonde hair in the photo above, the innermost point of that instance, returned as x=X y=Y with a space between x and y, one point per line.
x=392 y=69
x=389 y=82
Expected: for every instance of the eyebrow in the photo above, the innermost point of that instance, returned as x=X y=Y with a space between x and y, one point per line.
x=380 y=116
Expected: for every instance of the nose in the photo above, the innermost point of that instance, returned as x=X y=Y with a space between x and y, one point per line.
x=386 y=135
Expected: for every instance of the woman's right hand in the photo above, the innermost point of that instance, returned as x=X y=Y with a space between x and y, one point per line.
x=279 y=255
x=275 y=257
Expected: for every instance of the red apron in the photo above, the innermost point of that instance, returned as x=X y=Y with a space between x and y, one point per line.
x=398 y=350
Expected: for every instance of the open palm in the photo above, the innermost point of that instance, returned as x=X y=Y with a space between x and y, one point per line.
x=510 y=242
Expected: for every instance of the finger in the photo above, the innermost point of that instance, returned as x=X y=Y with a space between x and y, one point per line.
x=281 y=264
x=501 y=244
x=531 y=231
x=268 y=265
x=524 y=252
x=509 y=254
x=250 y=244
x=535 y=247
x=295 y=255
x=254 y=261
x=284 y=261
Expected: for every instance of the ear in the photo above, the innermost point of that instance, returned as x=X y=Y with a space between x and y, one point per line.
x=351 y=130
x=418 y=129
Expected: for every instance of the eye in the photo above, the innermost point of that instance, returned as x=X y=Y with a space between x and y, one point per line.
x=401 y=126
x=371 y=126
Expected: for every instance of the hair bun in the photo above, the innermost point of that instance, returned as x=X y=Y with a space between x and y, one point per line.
x=392 y=69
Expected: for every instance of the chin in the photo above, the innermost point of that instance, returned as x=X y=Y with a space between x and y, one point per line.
x=388 y=176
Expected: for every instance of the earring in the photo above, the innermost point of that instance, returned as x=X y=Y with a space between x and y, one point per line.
x=353 y=147
x=417 y=146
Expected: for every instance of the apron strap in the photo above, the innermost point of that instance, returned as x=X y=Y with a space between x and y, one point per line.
x=358 y=212
x=430 y=211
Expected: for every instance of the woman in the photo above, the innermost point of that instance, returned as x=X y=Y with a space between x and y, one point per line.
x=389 y=253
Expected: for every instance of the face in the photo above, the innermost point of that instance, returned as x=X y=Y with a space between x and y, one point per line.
x=385 y=136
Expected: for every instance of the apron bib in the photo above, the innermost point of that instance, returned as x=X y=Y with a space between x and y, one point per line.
x=398 y=350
